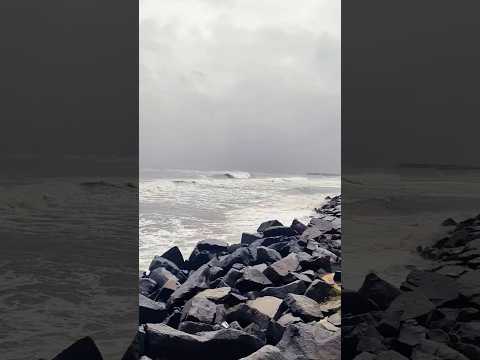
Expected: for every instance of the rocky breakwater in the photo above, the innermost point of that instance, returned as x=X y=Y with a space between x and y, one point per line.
x=434 y=315
x=274 y=295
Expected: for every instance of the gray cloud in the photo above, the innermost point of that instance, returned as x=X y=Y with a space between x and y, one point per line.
x=240 y=85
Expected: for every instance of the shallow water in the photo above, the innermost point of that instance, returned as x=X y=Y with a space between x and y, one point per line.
x=183 y=207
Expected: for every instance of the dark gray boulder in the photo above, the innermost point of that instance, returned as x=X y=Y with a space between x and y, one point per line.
x=280 y=272
x=151 y=311
x=196 y=282
x=298 y=226
x=228 y=344
x=146 y=286
x=279 y=231
x=268 y=352
x=268 y=224
x=241 y=255
x=82 y=349
x=199 y=309
x=310 y=341
x=160 y=262
x=175 y=256
x=161 y=276
x=440 y=289
x=252 y=280
x=267 y=255
x=248 y=238
x=303 y=307
x=192 y=327
x=318 y=290
x=379 y=291
x=295 y=287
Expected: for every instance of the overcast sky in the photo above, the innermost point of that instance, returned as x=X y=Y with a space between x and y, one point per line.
x=248 y=85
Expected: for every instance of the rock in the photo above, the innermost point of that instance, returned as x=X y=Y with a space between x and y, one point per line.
x=174 y=319
x=146 y=286
x=175 y=256
x=438 y=335
x=215 y=295
x=268 y=224
x=151 y=311
x=469 y=283
x=469 y=350
x=248 y=238
x=199 y=309
x=295 y=287
x=212 y=246
x=267 y=255
x=335 y=319
x=267 y=305
x=246 y=314
x=198 y=258
x=268 y=352
x=252 y=280
x=379 y=291
x=330 y=306
x=319 y=290
x=232 y=276
x=438 y=288
x=160 y=262
x=82 y=349
x=436 y=351
x=241 y=255
x=161 y=276
x=452 y=270
x=279 y=231
x=234 y=299
x=303 y=307
x=260 y=267
x=288 y=319
x=468 y=332
x=167 y=289
x=310 y=341
x=316 y=263
x=410 y=305
x=390 y=355
x=365 y=356
x=354 y=303
x=411 y=334
x=192 y=327
x=280 y=271
x=449 y=222
x=298 y=226
x=196 y=282
x=228 y=344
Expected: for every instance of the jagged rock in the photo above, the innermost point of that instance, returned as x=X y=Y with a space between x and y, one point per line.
x=82 y=349
x=192 y=327
x=365 y=356
x=164 y=293
x=310 y=341
x=354 y=303
x=268 y=352
x=246 y=314
x=298 y=226
x=268 y=224
x=303 y=307
x=318 y=290
x=436 y=351
x=260 y=267
x=215 y=295
x=227 y=344
x=379 y=291
x=215 y=272
x=161 y=276
x=196 y=282
x=390 y=355
x=198 y=258
x=173 y=320
x=199 y=309
x=252 y=280
x=267 y=255
x=232 y=276
x=438 y=335
x=335 y=319
x=219 y=314
x=241 y=255
x=267 y=305
x=315 y=263
x=234 y=299
x=469 y=283
x=449 y=222
x=248 y=238
x=469 y=350
x=330 y=306
x=151 y=311
x=175 y=256
x=411 y=305
x=279 y=231
x=160 y=262
x=411 y=334
x=288 y=319
x=468 y=332
x=280 y=271
x=295 y=287
x=438 y=288
x=213 y=246
x=146 y=286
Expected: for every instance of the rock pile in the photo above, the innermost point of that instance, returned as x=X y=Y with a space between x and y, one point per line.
x=434 y=315
x=275 y=295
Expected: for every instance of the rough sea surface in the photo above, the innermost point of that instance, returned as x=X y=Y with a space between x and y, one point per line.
x=180 y=207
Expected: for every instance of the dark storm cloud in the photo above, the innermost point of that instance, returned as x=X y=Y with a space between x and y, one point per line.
x=240 y=84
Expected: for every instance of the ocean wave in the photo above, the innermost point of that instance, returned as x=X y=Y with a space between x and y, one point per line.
x=231 y=175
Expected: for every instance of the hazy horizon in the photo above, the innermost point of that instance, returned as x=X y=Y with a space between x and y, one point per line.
x=240 y=85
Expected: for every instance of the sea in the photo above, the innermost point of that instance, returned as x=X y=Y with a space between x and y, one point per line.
x=182 y=207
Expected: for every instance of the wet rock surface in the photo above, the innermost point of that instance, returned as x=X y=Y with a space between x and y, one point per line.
x=435 y=314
